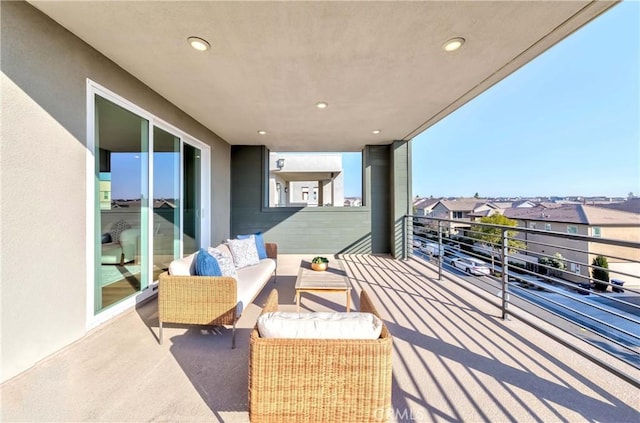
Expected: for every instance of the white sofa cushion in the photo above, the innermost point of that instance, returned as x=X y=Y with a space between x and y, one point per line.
x=251 y=280
x=319 y=325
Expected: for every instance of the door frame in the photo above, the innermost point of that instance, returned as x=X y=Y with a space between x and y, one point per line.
x=95 y=319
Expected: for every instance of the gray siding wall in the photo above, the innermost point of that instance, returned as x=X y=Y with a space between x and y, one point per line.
x=44 y=194
x=400 y=197
x=315 y=230
x=378 y=160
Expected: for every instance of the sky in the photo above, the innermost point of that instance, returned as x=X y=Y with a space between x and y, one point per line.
x=565 y=124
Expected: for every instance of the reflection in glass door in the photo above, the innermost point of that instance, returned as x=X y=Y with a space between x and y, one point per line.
x=121 y=209
x=166 y=199
x=192 y=205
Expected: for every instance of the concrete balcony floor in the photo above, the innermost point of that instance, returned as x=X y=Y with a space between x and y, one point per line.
x=454 y=360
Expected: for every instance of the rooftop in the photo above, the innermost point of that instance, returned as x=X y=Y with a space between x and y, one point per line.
x=454 y=360
x=575 y=213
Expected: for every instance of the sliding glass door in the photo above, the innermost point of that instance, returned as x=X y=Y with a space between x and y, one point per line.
x=121 y=212
x=148 y=202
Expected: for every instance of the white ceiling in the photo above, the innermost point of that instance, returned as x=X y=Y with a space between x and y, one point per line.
x=379 y=65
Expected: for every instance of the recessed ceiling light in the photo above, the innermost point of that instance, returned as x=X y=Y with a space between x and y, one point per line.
x=322 y=105
x=261 y=132
x=376 y=131
x=453 y=44
x=199 y=43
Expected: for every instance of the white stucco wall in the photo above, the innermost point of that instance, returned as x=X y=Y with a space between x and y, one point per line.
x=43 y=286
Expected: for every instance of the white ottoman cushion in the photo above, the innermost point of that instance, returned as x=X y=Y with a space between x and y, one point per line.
x=319 y=325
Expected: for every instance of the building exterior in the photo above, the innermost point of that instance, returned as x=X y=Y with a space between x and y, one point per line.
x=585 y=220
x=424 y=206
x=306 y=180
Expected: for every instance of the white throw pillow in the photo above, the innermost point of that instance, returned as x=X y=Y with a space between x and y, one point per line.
x=244 y=252
x=225 y=262
x=319 y=325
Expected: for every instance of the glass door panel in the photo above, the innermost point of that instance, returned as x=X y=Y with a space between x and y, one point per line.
x=191 y=195
x=166 y=200
x=122 y=203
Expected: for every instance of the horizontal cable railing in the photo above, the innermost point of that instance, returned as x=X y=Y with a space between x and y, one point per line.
x=570 y=280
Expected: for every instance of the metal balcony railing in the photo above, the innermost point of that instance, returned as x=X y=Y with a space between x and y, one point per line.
x=589 y=287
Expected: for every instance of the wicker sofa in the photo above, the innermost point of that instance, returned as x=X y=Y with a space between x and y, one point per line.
x=211 y=300
x=319 y=380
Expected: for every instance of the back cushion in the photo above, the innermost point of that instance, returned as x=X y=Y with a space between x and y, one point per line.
x=206 y=264
x=244 y=252
x=184 y=266
x=224 y=261
x=257 y=237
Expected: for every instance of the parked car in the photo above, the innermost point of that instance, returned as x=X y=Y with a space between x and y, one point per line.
x=472 y=266
x=431 y=248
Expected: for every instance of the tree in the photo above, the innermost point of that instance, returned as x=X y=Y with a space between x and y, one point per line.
x=600 y=273
x=476 y=195
x=492 y=236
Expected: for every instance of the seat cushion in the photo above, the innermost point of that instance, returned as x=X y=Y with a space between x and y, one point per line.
x=111 y=253
x=319 y=325
x=251 y=280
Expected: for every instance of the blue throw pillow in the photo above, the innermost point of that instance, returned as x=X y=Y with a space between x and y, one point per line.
x=262 y=251
x=206 y=264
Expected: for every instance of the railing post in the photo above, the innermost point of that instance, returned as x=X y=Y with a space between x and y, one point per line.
x=408 y=239
x=504 y=264
x=440 y=251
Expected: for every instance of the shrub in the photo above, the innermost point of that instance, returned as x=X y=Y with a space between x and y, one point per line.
x=600 y=273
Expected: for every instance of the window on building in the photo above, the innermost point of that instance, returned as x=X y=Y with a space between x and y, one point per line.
x=305 y=193
x=595 y=231
x=532 y=225
x=547 y=226
x=457 y=215
x=572 y=229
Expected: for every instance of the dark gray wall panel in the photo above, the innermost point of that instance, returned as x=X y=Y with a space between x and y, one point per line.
x=378 y=160
x=400 y=195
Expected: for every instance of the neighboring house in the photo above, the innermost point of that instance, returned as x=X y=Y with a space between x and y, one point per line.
x=460 y=210
x=631 y=205
x=306 y=180
x=424 y=206
x=585 y=220
x=463 y=211
x=353 y=202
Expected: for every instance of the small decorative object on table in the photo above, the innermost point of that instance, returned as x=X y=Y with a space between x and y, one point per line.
x=319 y=263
